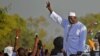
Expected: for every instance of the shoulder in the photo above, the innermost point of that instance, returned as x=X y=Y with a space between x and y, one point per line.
x=53 y=52
x=65 y=21
x=82 y=26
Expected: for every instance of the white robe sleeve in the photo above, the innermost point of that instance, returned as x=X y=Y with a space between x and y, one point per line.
x=56 y=17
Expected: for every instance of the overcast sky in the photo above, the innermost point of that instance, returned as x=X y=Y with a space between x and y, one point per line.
x=36 y=8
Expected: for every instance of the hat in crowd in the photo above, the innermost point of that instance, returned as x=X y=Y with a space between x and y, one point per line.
x=72 y=14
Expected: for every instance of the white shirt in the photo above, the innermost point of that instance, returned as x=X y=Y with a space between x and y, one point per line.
x=74 y=36
x=58 y=54
x=9 y=50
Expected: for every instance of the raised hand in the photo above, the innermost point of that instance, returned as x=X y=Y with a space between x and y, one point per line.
x=36 y=41
x=49 y=6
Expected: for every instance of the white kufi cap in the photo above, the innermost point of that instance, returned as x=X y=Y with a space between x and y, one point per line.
x=72 y=14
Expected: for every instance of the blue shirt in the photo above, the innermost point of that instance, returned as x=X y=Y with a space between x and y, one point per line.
x=74 y=34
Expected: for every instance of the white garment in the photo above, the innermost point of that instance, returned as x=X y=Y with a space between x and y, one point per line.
x=9 y=50
x=87 y=48
x=58 y=54
x=74 y=35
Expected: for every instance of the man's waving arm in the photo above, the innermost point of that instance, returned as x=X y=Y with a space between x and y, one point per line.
x=54 y=15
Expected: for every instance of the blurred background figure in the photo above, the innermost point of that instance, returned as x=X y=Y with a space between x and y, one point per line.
x=8 y=50
x=46 y=52
x=1 y=54
x=58 y=46
x=5 y=54
x=97 y=36
x=21 y=52
x=37 y=48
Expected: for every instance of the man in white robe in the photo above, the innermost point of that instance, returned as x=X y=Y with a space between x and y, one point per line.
x=74 y=32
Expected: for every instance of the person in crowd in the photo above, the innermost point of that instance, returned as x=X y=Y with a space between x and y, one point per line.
x=75 y=32
x=37 y=49
x=1 y=54
x=8 y=49
x=21 y=52
x=58 y=46
x=14 y=53
x=6 y=54
x=46 y=53
x=35 y=45
x=97 y=36
x=29 y=52
x=91 y=44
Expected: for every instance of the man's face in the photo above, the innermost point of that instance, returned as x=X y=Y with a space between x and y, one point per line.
x=72 y=19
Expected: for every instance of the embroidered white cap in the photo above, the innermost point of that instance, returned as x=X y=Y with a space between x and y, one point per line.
x=72 y=14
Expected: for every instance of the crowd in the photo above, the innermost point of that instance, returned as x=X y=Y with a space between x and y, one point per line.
x=39 y=49
x=72 y=44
